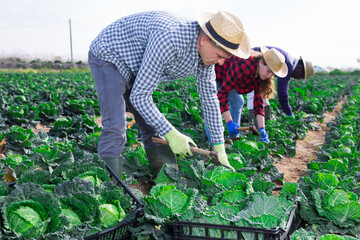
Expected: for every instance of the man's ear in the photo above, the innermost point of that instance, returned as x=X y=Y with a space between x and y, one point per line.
x=204 y=40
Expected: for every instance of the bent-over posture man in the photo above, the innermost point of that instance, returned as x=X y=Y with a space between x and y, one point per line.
x=129 y=59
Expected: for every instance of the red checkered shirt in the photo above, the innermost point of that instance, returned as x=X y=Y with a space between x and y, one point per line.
x=239 y=74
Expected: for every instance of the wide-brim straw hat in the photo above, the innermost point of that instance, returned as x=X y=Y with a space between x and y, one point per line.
x=308 y=68
x=227 y=31
x=275 y=60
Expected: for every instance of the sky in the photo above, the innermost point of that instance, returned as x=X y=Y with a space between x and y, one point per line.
x=326 y=32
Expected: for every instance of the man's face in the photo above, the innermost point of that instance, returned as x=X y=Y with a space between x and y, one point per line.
x=210 y=53
x=299 y=71
x=264 y=71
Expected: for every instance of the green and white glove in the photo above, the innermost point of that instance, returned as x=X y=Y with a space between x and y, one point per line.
x=179 y=143
x=220 y=148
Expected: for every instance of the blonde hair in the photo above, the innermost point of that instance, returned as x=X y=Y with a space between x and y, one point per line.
x=267 y=86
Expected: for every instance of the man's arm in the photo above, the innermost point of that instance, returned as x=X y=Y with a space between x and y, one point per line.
x=206 y=85
x=283 y=95
x=210 y=105
x=157 y=53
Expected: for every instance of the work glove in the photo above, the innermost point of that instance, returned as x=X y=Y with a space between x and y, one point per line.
x=179 y=143
x=291 y=115
x=232 y=127
x=220 y=148
x=264 y=135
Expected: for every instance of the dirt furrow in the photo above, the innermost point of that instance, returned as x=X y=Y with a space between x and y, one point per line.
x=307 y=148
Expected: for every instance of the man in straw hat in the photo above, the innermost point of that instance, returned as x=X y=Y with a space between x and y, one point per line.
x=241 y=76
x=129 y=59
x=298 y=69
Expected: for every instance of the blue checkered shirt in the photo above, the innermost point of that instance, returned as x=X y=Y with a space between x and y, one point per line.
x=158 y=46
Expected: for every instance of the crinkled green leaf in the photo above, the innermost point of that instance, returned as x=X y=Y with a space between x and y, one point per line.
x=175 y=200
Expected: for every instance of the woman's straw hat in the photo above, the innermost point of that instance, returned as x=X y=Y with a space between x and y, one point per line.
x=308 y=68
x=275 y=60
x=227 y=31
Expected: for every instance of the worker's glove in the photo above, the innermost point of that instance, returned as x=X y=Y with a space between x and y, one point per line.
x=291 y=115
x=179 y=143
x=232 y=127
x=220 y=148
x=264 y=135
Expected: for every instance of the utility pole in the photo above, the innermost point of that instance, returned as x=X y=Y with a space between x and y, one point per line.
x=71 y=50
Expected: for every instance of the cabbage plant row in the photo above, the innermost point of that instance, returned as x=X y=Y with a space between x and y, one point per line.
x=65 y=158
x=330 y=191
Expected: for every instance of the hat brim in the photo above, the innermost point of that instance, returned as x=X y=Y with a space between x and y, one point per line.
x=283 y=70
x=308 y=69
x=244 y=49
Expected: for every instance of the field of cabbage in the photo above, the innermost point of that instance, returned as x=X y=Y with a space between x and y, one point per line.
x=53 y=185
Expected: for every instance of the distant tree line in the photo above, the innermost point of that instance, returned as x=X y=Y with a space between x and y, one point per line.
x=17 y=63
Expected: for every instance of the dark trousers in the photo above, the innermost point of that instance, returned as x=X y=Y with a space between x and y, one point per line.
x=113 y=95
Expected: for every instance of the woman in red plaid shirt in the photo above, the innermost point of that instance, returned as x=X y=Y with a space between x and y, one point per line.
x=247 y=75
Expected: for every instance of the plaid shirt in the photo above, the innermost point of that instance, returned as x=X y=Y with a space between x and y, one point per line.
x=156 y=46
x=239 y=74
x=283 y=83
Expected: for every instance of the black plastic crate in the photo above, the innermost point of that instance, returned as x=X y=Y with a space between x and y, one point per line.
x=121 y=231
x=183 y=230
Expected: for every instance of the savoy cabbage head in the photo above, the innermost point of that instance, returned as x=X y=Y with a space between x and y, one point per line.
x=30 y=212
x=20 y=140
x=80 y=207
x=343 y=208
x=114 y=204
x=90 y=170
x=111 y=214
x=167 y=202
x=330 y=208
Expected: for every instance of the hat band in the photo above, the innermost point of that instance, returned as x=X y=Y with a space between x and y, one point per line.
x=219 y=38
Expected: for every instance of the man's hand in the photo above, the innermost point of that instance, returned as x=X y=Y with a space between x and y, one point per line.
x=232 y=127
x=220 y=148
x=264 y=135
x=179 y=143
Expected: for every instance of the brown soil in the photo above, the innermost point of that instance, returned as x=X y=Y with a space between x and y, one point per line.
x=307 y=148
x=39 y=127
x=2 y=148
x=127 y=114
x=143 y=187
x=98 y=122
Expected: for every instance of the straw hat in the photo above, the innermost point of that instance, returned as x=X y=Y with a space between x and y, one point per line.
x=275 y=60
x=227 y=31
x=308 y=68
